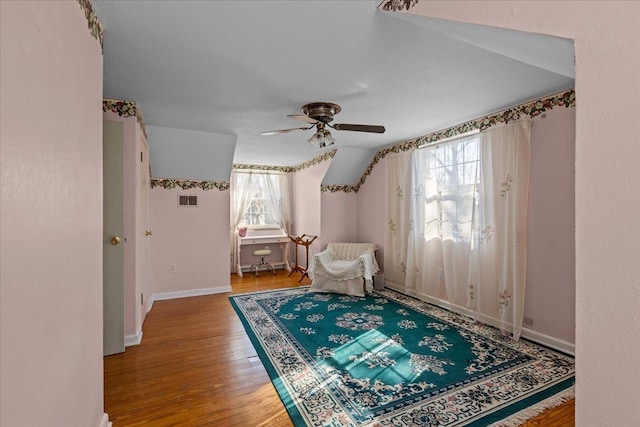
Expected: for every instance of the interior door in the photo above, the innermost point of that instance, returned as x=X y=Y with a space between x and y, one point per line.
x=113 y=237
x=142 y=263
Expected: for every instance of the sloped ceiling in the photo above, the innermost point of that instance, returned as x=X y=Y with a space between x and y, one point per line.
x=238 y=68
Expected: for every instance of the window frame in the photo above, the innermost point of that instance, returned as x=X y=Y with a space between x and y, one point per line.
x=266 y=226
x=438 y=172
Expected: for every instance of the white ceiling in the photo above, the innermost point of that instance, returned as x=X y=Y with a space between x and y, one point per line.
x=239 y=67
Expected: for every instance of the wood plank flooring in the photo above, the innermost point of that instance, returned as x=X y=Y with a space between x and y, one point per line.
x=196 y=367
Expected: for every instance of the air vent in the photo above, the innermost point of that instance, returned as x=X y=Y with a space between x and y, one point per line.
x=191 y=201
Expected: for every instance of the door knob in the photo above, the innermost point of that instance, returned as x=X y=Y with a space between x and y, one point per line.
x=148 y=233
x=115 y=240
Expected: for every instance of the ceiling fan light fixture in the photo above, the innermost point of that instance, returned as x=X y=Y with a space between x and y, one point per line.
x=328 y=138
x=316 y=139
x=321 y=139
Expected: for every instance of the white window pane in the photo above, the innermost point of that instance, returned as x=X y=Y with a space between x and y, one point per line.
x=450 y=197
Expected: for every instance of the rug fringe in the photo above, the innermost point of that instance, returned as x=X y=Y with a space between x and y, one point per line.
x=526 y=414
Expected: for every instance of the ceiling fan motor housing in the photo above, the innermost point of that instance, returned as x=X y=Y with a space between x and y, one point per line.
x=319 y=115
x=321 y=111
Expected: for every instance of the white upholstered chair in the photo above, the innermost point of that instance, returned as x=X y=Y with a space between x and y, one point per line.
x=344 y=268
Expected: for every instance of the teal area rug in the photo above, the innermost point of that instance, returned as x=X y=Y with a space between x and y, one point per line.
x=391 y=360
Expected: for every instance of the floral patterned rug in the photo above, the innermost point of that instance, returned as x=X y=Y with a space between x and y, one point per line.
x=391 y=360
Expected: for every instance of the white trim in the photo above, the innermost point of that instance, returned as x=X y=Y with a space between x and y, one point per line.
x=134 y=339
x=189 y=293
x=262 y=227
x=549 y=341
x=104 y=422
x=260 y=171
x=537 y=337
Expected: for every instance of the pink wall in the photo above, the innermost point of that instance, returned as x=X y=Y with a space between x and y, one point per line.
x=307 y=206
x=339 y=220
x=607 y=184
x=195 y=239
x=371 y=207
x=550 y=292
x=51 y=217
x=356 y=217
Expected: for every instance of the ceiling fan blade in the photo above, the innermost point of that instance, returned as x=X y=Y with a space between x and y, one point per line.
x=274 y=132
x=302 y=118
x=359 y=128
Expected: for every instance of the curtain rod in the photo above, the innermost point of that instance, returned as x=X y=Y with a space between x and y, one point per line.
x=473 y=132
x=258 y=172
x=451 y=138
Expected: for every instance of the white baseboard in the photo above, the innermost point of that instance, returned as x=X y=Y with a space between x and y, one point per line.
x=185 y=294
x=104 y=422
x=537 y=337
x=135 y=339
x=549 y=341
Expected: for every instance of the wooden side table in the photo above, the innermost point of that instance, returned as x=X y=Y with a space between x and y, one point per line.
x=305 y=241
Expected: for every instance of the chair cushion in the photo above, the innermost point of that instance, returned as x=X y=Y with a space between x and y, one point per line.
x=262 y=252
x=350 y=251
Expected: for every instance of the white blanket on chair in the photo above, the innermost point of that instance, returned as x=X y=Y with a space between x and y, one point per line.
x=327 y=265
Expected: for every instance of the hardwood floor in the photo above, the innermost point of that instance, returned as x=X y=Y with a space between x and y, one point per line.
x=196 y=367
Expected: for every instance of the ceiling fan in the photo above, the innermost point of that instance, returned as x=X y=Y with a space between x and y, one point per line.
x=320 y=115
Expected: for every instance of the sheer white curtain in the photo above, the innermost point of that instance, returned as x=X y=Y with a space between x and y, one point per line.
x=504 y=171
x=242 y=191
x=398 y=196
x=277 y=193
x=444 y=213
x=456 y=224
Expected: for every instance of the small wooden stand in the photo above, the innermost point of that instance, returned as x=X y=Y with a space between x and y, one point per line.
x=305 y=241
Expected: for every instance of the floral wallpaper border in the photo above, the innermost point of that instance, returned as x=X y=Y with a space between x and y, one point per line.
x=125 y=108
x=263 y=168
x=95 y=26
x=335 y=188
x=531 y=109
x=186 y=184
x=289 y=169
x=316 y=160
x=397 y=5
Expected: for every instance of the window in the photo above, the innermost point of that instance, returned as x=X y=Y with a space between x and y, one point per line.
x=259 y=198
x=448 y=180
x=258 y=212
